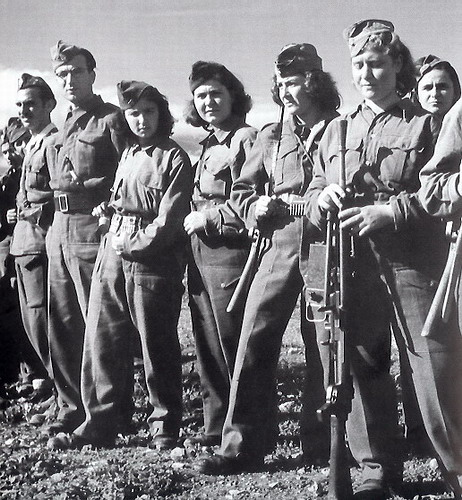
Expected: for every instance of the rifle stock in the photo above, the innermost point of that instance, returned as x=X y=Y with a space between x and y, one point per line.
x=259 y=245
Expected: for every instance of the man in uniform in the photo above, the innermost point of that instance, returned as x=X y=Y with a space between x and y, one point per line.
x=12 y=335
x=35 y=101
x=86 y=153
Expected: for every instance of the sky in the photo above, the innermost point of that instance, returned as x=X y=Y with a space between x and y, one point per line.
x=157 y=41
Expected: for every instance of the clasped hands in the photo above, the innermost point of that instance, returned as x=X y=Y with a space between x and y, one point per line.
x=359 y=220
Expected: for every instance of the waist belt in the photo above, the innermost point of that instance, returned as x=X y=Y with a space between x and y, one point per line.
x=201 y=204
x=72 y=202
x=127 y=223
x=291 y=205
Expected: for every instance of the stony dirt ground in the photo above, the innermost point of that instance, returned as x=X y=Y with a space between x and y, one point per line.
x=28 y=470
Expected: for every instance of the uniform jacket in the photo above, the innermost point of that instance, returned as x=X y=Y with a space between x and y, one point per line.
x=279 y=162
x=384 y=155
x=88 y=149
x=153 y=183
x=441 y=192
x=219 y=165
x=35 y=197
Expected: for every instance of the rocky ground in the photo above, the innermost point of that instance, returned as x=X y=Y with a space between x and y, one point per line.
x=29 y=470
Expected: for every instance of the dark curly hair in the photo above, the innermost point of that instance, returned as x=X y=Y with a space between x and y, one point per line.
x=319 y=86
x=166 y=120
x=389 y=43
x=205 y=71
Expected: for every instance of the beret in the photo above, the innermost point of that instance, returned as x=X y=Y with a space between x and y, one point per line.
x=27 y=81
x=63 y=52
x=129 y=93
x=14 y=131
x=358 y=34
x=297 y=58
x=203 y=71
x=427 y=63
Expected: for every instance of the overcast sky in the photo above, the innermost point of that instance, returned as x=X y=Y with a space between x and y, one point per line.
x=158 y=40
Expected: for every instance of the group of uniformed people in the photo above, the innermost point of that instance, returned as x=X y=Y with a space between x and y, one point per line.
x=109 y=213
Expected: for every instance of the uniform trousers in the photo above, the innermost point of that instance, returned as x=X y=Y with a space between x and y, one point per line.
x=132 y=298
x=250 y=425
x=72 y=246
x=435 y=364
x=31 y=272
x=212 y=277
x=372 y=426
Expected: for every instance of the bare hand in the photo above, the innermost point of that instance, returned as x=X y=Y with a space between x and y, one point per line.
x=12 y=216
x=194 y=223
x=264 y=207
x=118 y=243
x=331 y=198
x=364 y=220
x=100 y=210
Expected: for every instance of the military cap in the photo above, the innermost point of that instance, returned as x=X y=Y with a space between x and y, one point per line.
x=203 y=71
x=129 y=93
x=358 y=34
x=27 y=81
x=14 y=131
x=297 y=58
x=63 y=52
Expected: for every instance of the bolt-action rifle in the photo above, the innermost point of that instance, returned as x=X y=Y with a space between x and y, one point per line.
x=332 y=303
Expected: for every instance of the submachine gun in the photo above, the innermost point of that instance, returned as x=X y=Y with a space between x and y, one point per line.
x=330 y=298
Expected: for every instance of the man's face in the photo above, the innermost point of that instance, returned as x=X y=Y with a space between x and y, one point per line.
x=33 y=112
x=76 y=80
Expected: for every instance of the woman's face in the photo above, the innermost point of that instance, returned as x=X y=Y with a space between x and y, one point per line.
x=293 y=95
x=213 y=102
x=143 y=120
x=435 y=91
x=374 y=75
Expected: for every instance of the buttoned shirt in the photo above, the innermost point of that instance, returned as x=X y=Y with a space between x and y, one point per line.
x=280 y=162
x=34 y=199
x=384 y=155
x=223 y=154
x=153 y=183
x=88 y=149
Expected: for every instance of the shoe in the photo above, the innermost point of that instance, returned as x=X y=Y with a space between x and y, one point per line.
x=218 y=465
x=64 y=441
x=372 y=489
x=202 y=440
x=60 y=426
x=163 y=442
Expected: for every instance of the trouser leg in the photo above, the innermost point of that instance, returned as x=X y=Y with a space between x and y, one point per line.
x=271 y=300
x=435 y=364
x=31 y=272
x=72 y=248
x=107 y=367
x=155 y=303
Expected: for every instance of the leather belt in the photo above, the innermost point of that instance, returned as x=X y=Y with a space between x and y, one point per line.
x=128 y=224
x=71 y=202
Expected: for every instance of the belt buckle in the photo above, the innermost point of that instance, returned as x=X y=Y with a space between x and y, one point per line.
x=63 y=203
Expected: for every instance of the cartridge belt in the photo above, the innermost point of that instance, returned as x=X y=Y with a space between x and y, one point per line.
x=128 y=224
x=291 y=205
x=72 y=203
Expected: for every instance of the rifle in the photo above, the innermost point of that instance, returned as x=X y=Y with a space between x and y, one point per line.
x=333 y=303
x=444 y=299
x=259 y=246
